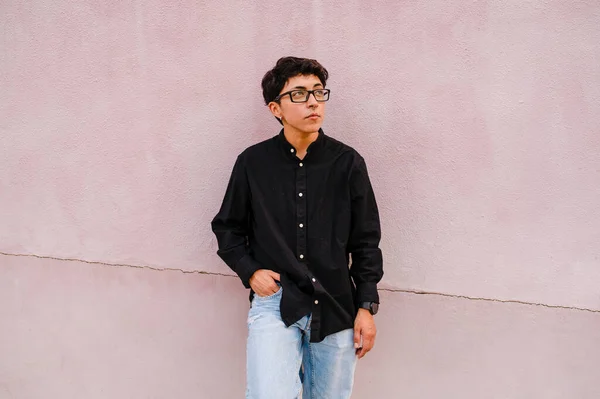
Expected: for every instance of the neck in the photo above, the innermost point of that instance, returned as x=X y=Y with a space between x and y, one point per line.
x=300 y=140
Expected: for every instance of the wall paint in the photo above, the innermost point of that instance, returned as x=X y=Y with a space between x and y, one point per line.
x=120 y=122
x=75 y=330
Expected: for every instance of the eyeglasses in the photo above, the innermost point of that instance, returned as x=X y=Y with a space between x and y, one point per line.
x=301 y=96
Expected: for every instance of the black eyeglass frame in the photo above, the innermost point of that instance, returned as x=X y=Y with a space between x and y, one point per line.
x=309 y=92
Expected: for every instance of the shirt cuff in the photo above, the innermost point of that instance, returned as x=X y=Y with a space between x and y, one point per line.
x=367 y=292
x=245 y=268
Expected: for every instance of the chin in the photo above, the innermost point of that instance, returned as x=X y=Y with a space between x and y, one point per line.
x=313 y=127
x=312 y=130
x=308 y=128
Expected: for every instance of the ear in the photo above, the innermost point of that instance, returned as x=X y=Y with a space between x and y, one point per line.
x=275 y=109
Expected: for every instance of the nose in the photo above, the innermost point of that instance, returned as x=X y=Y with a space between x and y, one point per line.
x=312 y=100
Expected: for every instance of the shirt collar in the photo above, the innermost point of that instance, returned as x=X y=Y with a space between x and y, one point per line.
x=289 y=149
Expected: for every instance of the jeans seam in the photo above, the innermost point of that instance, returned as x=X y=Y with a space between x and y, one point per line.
x=312 y=369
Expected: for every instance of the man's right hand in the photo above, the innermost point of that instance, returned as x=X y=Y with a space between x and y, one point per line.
x=264 y=282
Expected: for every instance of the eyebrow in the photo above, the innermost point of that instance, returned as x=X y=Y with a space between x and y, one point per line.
x=304 y=88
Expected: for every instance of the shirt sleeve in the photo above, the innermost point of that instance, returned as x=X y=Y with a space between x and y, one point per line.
x=231 y=225
x=365 y=233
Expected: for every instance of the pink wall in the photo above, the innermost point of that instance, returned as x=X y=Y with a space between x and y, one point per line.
x=119 y=125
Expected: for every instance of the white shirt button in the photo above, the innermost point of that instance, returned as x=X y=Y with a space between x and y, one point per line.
x=301 y=256
x=300 y=195
x=301 y=225
x=314 y=280
x=301 y=164
x=291 y=150
x=316 y=301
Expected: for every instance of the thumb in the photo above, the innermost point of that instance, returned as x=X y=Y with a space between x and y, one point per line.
x=356 y=337
x=276 y=276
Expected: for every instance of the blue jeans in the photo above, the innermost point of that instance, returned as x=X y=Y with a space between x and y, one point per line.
x=281 y=361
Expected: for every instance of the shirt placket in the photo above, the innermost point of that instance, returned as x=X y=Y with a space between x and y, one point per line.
x=301 y=241
x=301 y=212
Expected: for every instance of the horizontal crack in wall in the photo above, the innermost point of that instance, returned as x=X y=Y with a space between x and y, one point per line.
x=159 y=269
x=471 y=298
x=416 y=292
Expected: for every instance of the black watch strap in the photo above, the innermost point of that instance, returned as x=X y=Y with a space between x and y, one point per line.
x=372 y=307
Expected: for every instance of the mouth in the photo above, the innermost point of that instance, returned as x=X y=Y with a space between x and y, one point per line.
x=313 y=116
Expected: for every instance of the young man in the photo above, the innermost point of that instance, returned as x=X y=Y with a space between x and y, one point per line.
x=296 y=207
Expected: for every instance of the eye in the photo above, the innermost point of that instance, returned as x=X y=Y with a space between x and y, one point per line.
x=320 y=92
x=299 y=94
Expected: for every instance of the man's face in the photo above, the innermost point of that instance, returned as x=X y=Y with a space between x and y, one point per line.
x=304 y=117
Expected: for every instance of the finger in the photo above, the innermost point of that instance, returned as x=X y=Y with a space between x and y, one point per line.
x=366 y=347
x=267 y=291
x=276 y=276
x=362 y=352
x=273 y=285
x=356 y=337
x=368 y=342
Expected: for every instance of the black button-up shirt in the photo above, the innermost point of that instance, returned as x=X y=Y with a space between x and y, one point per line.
x=303 y=219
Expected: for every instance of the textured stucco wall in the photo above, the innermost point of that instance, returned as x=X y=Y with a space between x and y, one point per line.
x=119 y=125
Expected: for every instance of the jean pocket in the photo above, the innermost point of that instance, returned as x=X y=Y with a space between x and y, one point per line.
x=273 y=295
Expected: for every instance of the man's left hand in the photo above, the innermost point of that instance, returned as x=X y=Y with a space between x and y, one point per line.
x=364 y=326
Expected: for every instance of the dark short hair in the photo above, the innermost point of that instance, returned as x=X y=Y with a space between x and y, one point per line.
x=289 y=67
